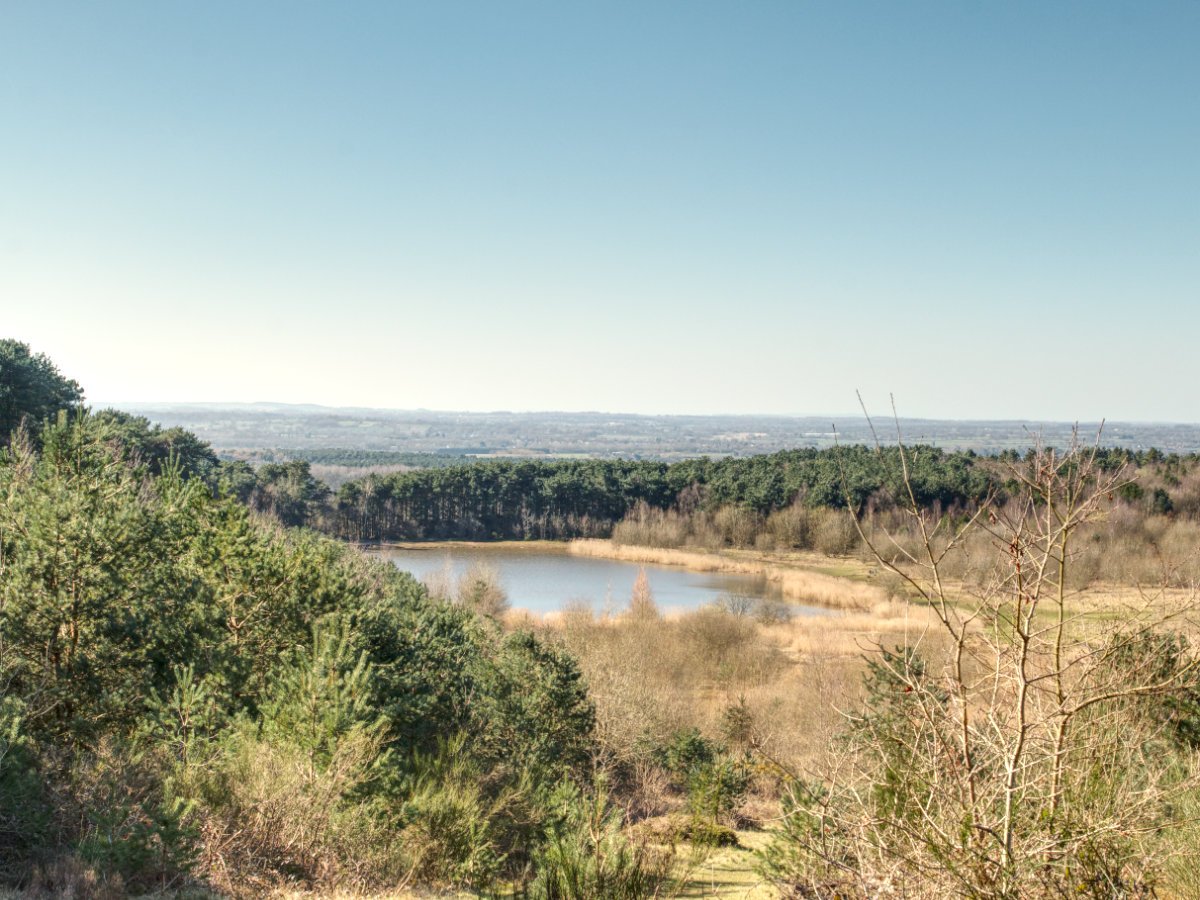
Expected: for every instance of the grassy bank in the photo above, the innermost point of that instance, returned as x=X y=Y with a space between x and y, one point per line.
x=808 y=578
x=481 y=546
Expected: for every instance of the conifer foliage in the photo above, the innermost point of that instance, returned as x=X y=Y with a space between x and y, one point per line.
x=191 y=692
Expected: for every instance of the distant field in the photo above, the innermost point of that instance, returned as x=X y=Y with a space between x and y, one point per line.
x=374 y=437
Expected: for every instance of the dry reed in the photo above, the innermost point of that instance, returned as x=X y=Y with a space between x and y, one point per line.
x=798 y=584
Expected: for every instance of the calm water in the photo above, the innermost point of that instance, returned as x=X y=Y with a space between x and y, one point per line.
x=545 y=581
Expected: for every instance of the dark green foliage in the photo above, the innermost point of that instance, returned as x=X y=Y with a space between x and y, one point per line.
x=95 y=603
x=31 y=389
x=465 y=828
x=715 y=789
x=322 y=696
x=516 y=500
x=704 y=831
x=1131 y=492
x=584 y=498
x=587 y=857
x=135 y=828
x=532 y=709
x=155 y=448
x=522 y=500
x=688 y=751
x=800 y=838
x=811 y=853
x=25 y=809
x=235 y=479
x=1164 y=658
x=169 y=659
x=422 y=655
x=714 y=781
x=288 y=491
x=1160 y=502
x=896 y=682
x=737 y=723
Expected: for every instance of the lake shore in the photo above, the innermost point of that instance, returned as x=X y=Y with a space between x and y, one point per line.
x=808 y=578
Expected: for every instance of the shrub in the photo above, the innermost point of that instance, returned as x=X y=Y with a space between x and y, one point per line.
x=268 y=815
x=716 y=788
x=737 y=723
x=131 y=824
x=24 y=807
x=1166 y=658
x=713 y=781
x=479 y=590
x=647 y=526
x=454 y=832
x=773 y=611
x=1031 y=760
x=791 y=527
x=532 y=711
x=586 y=856
x=736 y=605
x=833 y=532
x=1160 y=503
x=687 y=752
x=641 y=601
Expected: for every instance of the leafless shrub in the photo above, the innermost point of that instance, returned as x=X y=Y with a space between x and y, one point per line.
x=1015 y=765
x=772 y=611
x=791 y=528
x=641 y=603
x=441 y=583
x=737 y=605
x=479 y=589
x=647 y=526
x=834 y=533
x=738 y=526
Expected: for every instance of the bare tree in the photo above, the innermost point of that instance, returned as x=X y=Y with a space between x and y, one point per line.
x=1019 y=747
x=641 y=600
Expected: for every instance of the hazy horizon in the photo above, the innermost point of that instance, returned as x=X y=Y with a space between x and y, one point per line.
x=136 y=405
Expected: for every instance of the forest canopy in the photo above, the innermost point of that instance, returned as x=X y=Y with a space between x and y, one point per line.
x=32 y=389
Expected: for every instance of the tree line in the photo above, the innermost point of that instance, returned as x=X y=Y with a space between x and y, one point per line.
x=586 y=498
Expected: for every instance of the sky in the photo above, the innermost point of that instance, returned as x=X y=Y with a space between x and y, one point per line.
x=985 y=210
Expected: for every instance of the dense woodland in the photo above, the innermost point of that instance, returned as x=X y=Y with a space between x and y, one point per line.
x=720 y=502
x=195 y=695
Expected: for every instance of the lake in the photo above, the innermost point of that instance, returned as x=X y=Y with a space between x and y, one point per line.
x=544 y=580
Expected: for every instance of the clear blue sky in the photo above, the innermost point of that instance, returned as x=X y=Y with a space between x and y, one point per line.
x=991 y=210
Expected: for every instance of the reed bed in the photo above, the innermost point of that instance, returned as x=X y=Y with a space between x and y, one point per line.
x=797 y=584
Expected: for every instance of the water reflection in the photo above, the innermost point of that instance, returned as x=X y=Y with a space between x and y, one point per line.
x=544 y=581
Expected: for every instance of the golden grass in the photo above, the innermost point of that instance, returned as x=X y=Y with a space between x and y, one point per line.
x=368 y=895
x=652 y=677
x=729 y=872
x=851 y=633
x=506 y=547
x=795 y=575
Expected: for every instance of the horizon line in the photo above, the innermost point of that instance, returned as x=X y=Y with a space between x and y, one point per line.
x=163 y=404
